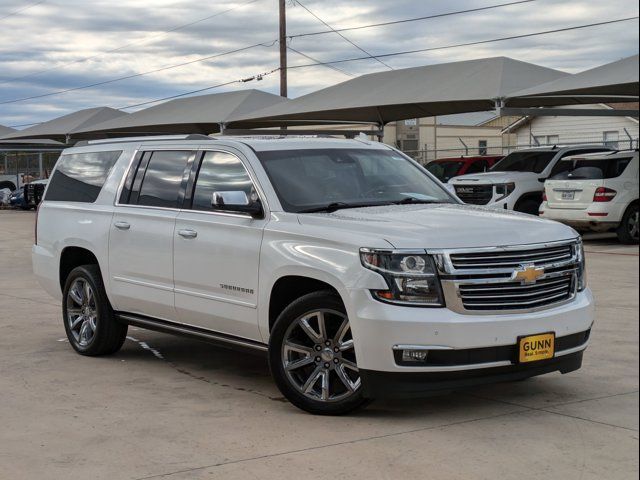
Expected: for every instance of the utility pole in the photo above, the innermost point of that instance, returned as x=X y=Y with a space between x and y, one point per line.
x=283 y=48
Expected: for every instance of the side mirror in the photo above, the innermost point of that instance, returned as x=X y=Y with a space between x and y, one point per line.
x=237 y=201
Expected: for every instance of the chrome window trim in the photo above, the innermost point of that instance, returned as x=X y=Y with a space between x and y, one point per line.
x=196 y=150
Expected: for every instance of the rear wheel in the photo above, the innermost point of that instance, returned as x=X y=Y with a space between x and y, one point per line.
x=628 y=229
x=312 y=356
x=89 y=321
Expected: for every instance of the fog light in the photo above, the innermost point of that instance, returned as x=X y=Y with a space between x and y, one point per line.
x=414 y=355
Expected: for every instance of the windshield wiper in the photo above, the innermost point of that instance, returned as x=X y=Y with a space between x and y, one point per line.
x=415 y=201
x=332 y=207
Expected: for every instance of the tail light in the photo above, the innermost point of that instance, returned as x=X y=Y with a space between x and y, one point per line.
x=544 y=196
x=35 y=228
x=604 y=194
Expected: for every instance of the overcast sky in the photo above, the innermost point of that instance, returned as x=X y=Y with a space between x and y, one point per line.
x=39 y=40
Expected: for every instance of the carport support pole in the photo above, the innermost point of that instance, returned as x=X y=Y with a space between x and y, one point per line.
x=40 y=155
x=283 y=49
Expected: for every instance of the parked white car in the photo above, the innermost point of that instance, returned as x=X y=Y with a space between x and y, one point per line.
x=517 y=181
x=598 y=193
x=345 y=261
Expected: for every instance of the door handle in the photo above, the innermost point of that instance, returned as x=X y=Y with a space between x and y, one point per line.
x=188 y=233
x=122 y=225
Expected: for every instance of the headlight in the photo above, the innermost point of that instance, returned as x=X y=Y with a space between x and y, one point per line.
x=412 y=277
x=504 y=190
x=582 y=267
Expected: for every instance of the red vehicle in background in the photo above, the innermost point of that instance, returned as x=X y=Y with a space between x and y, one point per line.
x=447 y=168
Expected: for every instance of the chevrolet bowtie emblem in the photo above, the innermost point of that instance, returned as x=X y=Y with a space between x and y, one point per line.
x=527 y=274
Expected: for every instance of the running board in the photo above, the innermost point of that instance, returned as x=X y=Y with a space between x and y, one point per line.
x=164 y=326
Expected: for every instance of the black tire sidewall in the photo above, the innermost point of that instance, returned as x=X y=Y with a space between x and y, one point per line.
x=622 y=231
x=301 y=306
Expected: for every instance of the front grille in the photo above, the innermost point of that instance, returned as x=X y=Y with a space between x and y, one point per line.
x=512 y=258
x=475 y=194
x=513 y=296
x=493 y=280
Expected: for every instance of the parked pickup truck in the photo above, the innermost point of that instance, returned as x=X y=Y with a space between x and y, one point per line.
x=517 y=181
x=599 y=192
x=349 y=265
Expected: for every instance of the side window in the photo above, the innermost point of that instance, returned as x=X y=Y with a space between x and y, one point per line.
x=219 y=172
x=162 y=180
x=79 y=177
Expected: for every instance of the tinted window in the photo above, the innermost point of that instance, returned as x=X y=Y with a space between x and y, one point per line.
x=478 y=167
x=534 y=162
x=163 y=179
x=309 y=179
x=585 y=169
x=219 y=172
x=79 y=177
x=444 y=171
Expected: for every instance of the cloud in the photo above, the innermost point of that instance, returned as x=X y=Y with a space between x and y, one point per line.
x=50 y=35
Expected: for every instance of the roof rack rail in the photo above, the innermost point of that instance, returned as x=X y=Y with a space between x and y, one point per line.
x=156 y=138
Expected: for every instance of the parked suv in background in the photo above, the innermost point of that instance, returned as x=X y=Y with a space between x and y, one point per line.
x=599 y=192
x=345 y=261
x=517 y=181
x=445 y=169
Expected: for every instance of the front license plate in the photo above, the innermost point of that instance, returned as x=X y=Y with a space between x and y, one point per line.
x=537 y=347
x=568 y=195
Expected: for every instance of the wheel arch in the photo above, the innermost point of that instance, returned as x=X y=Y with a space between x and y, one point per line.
x=72 y=257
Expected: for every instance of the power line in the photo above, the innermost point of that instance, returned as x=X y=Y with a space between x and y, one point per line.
x=468 y=44
x=343 y=37
x=20 y=10
x=309 y=57
x=122 y=47
x=135 y=75
x=415 y=19
x=258 y=77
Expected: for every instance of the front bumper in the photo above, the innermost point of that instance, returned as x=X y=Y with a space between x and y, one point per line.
x=378 y=327
x=411 y=385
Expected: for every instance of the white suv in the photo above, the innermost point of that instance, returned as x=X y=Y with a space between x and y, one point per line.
x=597 y=192
x=348 y=263
x=517 y=181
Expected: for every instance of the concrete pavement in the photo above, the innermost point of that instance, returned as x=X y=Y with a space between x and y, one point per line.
x=168 y=407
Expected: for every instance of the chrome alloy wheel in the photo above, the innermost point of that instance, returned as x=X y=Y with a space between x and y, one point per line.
x=82 y=312
x=319 y=358
x=632 y=225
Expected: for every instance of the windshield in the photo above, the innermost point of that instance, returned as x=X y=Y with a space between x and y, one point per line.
x=306 y=180
x=534 y=162
x=445 y=171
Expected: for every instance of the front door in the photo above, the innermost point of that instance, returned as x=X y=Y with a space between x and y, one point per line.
x=217 y=253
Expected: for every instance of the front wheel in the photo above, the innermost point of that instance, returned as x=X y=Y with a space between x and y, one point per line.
x=628 y=230
x=312 y=356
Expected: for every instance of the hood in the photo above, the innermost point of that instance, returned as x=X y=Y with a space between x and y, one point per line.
x=493 y=178
x=438 y=226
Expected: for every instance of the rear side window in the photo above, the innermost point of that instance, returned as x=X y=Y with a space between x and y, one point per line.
x=162 y=179
x=79 y=177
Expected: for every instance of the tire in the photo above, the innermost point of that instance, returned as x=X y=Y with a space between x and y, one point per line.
x=528 y=205
x=10 y=185
x=627 y=231
x=91 y=326
x=334 y=363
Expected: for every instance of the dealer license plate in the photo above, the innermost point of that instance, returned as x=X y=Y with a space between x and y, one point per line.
x=537 y=347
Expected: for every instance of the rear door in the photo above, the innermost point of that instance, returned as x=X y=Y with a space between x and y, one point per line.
x=216 y=252
x=142 y=233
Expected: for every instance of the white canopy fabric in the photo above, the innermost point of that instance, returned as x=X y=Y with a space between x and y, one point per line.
x=60 y=128
x=443 y=89
x=613 y=82
x=200 y=114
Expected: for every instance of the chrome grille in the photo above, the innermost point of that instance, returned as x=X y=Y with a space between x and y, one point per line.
x=474 y=194
x=511 y=258
x=481 y=281
x=510 y=296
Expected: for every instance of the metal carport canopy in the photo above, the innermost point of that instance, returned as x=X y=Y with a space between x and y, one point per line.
x=199 y=114
x=458 y=87
x=613 y=82
x=62 y=127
